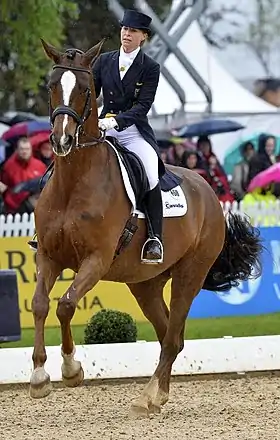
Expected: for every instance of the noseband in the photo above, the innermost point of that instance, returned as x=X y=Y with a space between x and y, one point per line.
x=66 y=110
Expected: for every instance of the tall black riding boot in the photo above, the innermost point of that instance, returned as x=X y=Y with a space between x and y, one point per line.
x=152 y=251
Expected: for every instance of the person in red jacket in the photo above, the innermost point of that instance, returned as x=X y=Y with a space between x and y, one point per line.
x=20 y=167
x=218 y=180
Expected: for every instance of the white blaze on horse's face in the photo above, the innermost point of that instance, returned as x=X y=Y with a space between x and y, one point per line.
x=68 y=82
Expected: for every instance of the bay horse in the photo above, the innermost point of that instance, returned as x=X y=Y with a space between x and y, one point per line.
x=81 y=215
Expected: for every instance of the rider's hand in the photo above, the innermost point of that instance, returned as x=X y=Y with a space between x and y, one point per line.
x=3 y=187
x=107 y=123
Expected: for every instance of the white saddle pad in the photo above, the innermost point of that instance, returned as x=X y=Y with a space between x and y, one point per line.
x=174 y=201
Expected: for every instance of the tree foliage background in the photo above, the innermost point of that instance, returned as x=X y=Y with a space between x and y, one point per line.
x=82 y=23
x=64 y=23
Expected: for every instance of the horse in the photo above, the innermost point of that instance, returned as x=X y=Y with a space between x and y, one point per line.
x=85 y=221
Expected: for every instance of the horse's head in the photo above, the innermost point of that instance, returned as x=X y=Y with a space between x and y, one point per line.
x=71 y=95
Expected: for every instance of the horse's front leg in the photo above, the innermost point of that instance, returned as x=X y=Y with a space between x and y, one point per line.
x=47 y=272
x=91 y=271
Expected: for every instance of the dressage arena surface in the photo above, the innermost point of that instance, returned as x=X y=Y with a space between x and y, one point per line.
x=224 y=409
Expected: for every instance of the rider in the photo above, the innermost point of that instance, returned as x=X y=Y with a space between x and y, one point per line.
x=129 y=79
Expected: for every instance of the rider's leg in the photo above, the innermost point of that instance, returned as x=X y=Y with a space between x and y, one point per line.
x=153 y=249
x=131 y=139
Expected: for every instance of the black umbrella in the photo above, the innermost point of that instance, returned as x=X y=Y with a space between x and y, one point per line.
x=208 y=127
x=31 y=186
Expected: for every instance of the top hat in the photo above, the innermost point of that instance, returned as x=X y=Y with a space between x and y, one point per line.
x=136 y=20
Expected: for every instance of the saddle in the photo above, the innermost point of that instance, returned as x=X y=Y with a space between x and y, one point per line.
x=136 y=173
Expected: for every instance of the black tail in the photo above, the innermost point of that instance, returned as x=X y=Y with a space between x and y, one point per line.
x=240 y=258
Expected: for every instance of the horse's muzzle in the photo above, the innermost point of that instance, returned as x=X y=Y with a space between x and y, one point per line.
x=62 y=145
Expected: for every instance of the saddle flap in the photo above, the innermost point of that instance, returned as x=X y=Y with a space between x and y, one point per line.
x=135 y=170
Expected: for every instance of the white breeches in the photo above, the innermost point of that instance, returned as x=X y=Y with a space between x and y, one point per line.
x=131 y=139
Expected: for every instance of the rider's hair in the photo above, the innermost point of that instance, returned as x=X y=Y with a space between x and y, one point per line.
x=145 y=39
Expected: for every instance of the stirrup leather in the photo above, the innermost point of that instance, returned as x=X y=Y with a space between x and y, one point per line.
x=154 y=261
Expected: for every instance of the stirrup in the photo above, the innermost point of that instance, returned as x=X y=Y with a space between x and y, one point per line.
x=147 y=260
x=30 y=242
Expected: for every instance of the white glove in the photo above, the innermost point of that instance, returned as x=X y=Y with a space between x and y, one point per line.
x=107 y=123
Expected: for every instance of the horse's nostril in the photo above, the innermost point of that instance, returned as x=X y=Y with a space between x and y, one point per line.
x=68 y=140
x=53 y=139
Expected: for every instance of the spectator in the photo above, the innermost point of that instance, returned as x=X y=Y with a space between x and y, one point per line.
x=218 y=180
x=175 y=154
x=163 y=155
x=204 y=147
x=20 y=167
x=240 y=175
x=42 y=148
x=192 y=161
x=265 y=156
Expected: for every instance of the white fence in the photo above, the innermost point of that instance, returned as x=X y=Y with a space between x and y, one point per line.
x=260 y=214
x=139 y=359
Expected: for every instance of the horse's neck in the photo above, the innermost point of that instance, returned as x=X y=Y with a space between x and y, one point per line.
x=82 y=167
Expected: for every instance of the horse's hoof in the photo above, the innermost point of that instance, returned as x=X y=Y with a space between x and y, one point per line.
x=74 y=381
x=139 y=412
x=154 y=409
x=39 y=391
x=40 y=383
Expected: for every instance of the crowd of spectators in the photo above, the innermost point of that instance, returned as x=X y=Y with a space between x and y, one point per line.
x=31 y=157
x=200 y=158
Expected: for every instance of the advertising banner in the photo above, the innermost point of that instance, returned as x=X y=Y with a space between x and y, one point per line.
x=249 y=298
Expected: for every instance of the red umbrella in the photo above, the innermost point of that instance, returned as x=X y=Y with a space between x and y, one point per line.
x=39 y=138
x=26 y=128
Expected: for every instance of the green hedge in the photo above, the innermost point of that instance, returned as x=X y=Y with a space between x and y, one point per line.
x=110 y=326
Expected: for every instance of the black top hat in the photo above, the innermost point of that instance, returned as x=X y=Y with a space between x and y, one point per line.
x=136 y=20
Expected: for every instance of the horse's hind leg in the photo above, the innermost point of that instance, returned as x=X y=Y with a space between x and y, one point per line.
x=187 y=280
x=149 y=295
x=47 y=272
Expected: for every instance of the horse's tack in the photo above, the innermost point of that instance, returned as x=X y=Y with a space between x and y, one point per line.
x=66 y=110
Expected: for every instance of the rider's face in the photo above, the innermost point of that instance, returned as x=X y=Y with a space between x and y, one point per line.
x=131 y=38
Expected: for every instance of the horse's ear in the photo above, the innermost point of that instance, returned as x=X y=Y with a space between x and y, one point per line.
x=53 y=53
x=91 y=54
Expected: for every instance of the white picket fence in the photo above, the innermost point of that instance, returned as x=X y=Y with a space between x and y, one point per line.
x=260 y=214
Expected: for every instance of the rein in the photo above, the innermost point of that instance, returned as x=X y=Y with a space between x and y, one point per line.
x=66 y=110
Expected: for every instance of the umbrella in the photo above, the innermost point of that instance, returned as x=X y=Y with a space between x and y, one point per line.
x=3 y=143
x=3 y=127
x=31 y=186
x=208 y=127
x=26 y=128
x=3 y=146
x=265 y=178
x=13 y=118
x=39 y=138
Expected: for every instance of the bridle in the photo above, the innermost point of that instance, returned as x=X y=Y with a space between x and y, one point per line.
x=66 y=110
